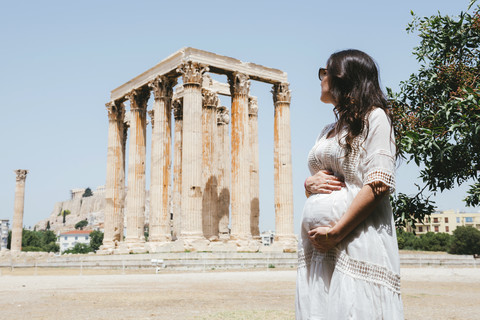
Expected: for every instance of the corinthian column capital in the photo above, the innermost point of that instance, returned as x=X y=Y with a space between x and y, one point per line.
x=210 y=98
x=116 y=110
x=192 y=72
x=223 y=117
x=252 y=106
x=281 y=93
x=239 y=84
x=162 y=87
x=138 y=98
x=178 y=109
x=21 y=174
x=151 y=113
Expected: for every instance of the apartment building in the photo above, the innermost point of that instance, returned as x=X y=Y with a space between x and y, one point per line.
x=447 y=221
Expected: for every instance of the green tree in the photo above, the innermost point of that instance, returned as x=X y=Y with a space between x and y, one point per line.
x=96 y=239
x=437 y=111
x=81 y=224
x=88 y=193
x=65 y=213
x=44 y=240
x=466 y=240
x=9 y=240
x=79 y=248
x=48 y=225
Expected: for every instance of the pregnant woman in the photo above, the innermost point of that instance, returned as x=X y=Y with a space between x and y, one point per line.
x=348 y=255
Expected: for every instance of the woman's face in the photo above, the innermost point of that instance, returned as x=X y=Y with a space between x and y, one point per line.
x=326 y=96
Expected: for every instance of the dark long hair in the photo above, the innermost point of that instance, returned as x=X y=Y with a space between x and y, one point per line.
x=355 y=87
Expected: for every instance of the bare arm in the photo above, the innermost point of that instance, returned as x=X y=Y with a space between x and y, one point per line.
x=362 y=206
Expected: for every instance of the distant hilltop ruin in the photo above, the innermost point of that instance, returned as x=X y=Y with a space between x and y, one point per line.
x=80 y=206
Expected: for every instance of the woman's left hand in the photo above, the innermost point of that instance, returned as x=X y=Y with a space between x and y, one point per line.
x=322 y=239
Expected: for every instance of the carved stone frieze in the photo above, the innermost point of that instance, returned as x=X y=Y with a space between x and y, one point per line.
x=239 y=84
x=21 y=174
x=281 y=93
x=210 y=98
x=223 y=118
x=139 y=98
x=162 y=87
x=116 y=110
x=178 y=108
x=252 y=106
x=192 y=72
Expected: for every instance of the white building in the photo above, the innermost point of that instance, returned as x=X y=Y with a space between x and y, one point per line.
x=68 y=240
x=3 y=234
x=267 y=237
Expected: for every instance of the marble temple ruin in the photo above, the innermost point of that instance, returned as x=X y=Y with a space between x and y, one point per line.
x=18 y=206
x=202 y=180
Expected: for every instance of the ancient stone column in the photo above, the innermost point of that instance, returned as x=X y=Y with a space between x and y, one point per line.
x=239 y=87
x=283 y=168
x=192 y=192
x=136 y=168
x=115 y=182
x=223 y=159
x=177 y=168
x=159 y=219
x=254 y=164
x=209 y=199
x=17 y=225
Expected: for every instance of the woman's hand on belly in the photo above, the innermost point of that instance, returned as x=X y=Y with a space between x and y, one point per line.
x=323 y=182
x=321 y=240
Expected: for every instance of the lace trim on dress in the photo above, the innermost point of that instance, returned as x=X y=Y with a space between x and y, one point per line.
x=354 y=268
x=382 y=175
x=304 y=258
x=351 y=162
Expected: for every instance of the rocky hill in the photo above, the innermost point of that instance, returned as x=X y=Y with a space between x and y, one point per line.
x=81 y=208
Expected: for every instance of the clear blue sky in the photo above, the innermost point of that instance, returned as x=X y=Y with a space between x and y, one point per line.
x=60 y=59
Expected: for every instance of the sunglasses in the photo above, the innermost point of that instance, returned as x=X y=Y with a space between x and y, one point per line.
x=322 y=73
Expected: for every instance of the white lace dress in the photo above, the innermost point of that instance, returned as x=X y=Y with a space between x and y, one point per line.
x=360 y=277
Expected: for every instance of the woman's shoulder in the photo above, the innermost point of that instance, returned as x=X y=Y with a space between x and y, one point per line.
x=378 y=115
x=326 y=130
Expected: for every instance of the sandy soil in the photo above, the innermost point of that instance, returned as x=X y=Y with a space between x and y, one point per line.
x=428 y=293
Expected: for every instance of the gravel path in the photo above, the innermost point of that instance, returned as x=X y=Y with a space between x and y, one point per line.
x=428 y=293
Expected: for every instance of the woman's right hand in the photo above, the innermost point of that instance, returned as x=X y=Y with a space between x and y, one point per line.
x=323 y=182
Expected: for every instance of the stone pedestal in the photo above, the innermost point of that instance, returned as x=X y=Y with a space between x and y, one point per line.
x=17 y=225
x=136 y=169
x=283 y=169
x=115 y=182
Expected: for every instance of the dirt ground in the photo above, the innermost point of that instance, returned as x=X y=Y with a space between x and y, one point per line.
x=428 y=293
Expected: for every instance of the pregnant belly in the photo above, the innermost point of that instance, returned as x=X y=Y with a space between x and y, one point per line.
x=324 y=209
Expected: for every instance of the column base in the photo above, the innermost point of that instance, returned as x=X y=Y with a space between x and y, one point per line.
x=246 y=245
x=192 y=244
x=289 y=243
x=131 y=246
x=162 y=238
x=157 y=246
